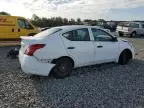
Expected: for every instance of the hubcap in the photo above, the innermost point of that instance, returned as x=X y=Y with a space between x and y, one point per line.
x=133 y=34
x=62 y=68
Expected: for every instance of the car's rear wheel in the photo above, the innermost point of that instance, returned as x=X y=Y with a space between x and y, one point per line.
x=63 y=68
x=124 y=58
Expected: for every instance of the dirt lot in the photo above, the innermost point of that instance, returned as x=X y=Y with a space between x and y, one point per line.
x=9 y=43
x=106 y=86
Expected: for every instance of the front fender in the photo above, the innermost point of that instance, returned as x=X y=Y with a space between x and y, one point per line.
x=126 y=45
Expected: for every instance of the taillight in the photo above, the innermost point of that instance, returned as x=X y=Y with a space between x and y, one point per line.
x=32 y=48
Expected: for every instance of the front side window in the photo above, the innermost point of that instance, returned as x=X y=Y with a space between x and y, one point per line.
x=100 y=35
x=24 y=24
x=78 y=35
x=28 y=25
x=21 y=23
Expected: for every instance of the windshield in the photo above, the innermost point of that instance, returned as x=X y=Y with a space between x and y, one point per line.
x=133 y=25
x=47 y=32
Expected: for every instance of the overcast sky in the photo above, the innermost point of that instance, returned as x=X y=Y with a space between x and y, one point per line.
x=85 y=9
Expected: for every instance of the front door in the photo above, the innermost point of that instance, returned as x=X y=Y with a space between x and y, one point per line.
x=106 y=50
x=21 y=28
x=79 y=47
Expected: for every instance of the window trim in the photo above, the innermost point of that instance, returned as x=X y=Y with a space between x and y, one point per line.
x=103 y=31
x=77 y=29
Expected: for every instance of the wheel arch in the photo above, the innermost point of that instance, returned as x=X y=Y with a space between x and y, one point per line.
x=127 y=51
x=132 y=33
x=64 y=57
x=55 y=60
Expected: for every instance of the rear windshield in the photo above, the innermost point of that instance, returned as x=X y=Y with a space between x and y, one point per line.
x=47 y=32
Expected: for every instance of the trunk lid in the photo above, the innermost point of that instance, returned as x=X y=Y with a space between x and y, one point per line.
x=27 y=41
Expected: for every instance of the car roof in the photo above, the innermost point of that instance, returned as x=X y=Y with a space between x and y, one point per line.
x=71 y=27
x=11 y=16
x=136 y=22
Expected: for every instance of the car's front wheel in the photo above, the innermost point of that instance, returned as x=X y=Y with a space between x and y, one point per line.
x=133 y=34
x=63 y=68
x=125 y=56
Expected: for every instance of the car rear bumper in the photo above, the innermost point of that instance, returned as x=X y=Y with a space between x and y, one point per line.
x=31 y=65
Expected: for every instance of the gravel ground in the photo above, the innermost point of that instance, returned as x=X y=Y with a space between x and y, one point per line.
x=100 y=86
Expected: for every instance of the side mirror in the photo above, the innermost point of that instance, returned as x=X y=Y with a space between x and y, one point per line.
x=115 y=39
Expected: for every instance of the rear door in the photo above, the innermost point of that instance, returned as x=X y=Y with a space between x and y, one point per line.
x=78 y=46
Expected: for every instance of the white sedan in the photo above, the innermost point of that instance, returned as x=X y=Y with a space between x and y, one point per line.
x=60 y=49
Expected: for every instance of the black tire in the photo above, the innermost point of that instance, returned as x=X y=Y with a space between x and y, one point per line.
x=124 y=58
x=133 y=34
x=63 y=68
x=120 y=34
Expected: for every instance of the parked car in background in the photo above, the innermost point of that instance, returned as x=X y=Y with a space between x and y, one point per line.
x=111 y=25
x=131 y=29
x=12 y=27
x=108 y=30
x=60 y=49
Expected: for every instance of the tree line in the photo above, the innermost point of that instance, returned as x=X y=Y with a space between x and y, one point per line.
x=59 y=21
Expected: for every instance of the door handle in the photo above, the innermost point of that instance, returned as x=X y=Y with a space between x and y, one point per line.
x=12 y=30
x=18 y=30
x=99 y=46
x=70 y=47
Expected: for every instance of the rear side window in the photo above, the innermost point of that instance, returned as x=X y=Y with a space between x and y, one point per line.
x=78 y=35
x=48 y=32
